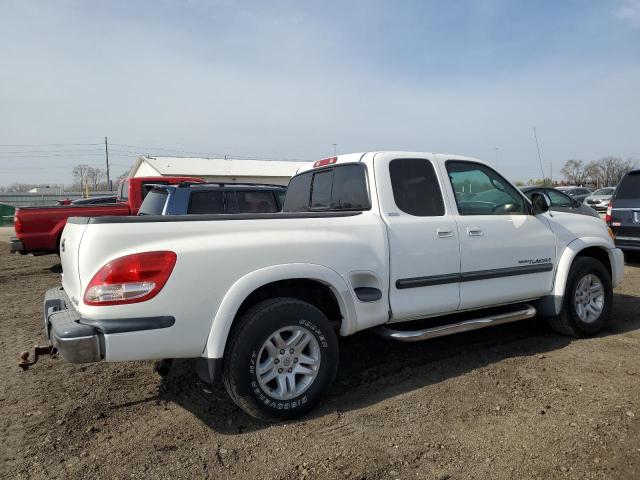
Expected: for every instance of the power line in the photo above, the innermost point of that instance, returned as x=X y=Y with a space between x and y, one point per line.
x=48 y=144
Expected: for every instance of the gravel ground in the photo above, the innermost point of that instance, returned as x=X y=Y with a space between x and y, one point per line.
x=514 y=401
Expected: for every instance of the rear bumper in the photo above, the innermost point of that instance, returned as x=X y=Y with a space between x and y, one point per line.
x=16 y=245
x=83 y=340
x=75 y=342
x=628 y=243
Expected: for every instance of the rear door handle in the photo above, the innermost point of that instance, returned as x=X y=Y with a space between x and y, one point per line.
x=475 y=231
x=444 y=232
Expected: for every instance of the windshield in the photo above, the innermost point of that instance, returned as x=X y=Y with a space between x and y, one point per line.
x=604 y=191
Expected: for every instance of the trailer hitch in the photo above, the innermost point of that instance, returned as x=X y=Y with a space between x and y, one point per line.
x=38 y=351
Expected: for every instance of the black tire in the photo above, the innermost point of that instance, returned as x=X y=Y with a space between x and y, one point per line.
x=569 y=322
x=245 y=343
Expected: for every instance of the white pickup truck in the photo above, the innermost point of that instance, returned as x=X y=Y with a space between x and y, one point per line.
x=417 y=245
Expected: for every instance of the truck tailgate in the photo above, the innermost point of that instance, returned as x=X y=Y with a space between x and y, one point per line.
x=69 y=251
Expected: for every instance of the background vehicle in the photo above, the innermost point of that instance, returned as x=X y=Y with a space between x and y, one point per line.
x=599 y=200
x=623 y=214
x=393 y=240
x=577 y=193
x=38 y=229
x=560 y=202
x=208 y=198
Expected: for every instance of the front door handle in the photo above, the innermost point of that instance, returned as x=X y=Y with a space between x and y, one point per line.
x=475 y=231
x=444 y=232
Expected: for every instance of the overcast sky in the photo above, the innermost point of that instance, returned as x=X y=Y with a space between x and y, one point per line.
x=287 y=79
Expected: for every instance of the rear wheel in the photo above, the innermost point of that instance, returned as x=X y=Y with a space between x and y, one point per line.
x=280 y=359
x=586 y=306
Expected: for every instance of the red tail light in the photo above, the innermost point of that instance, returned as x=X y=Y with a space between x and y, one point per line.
x=130 y=279
x=607 y=217
x=17 y=224
x=325 y=162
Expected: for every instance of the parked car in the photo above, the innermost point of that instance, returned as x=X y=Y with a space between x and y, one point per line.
x=599 y=200
x=209 y=198
x=560 y=202
x=39 y=229
x=374 y=240
x=577 y=193
x=623 y=214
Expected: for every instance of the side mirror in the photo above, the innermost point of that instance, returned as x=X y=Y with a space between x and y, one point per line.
x=541 y=203
x=576 y=203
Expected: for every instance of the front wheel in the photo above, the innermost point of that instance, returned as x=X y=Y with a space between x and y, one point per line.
x=587 y=302
x=280 y=359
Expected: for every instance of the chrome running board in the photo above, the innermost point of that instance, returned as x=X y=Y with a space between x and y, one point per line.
x=416 y=335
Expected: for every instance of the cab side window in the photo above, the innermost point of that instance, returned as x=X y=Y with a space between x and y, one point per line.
x=479 y=190
x=416 y=190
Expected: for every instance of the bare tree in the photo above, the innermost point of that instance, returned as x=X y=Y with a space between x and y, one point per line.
x=575 y=172
x=608 y=171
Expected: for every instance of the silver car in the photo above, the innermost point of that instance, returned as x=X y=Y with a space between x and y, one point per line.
x=577 y=193
x=599 y=200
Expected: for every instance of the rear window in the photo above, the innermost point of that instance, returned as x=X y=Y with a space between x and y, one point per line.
x=251 y=202
x=154 y=202
x=123 y=191
x=339 y=188
x=629 y=187
x=206 y=202
x=321 y=189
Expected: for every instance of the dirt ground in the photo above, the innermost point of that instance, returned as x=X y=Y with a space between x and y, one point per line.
x=514 y=401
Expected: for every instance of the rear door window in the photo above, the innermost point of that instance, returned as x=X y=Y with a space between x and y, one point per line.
x=416 y=190
x=251 y=202
x=629 y=188
x=154 y=202
x=206 y=202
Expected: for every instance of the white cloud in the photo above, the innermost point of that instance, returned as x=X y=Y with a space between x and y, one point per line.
x=630 y=12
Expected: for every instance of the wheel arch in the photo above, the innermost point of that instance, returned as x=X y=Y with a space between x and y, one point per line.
x=316 y=284
x=593 y=247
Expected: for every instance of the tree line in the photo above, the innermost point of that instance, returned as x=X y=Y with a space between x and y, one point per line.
x=606 y=172
x=85 y=178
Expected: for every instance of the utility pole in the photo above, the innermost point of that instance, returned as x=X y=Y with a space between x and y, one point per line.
x=551 y=174
x=335 y=145
x=496 y=165
x=106 y=153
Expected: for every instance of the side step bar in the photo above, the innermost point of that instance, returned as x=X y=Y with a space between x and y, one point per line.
x=416 y=335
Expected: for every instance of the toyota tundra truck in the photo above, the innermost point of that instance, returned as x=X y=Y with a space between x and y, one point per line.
x=413 y=245
x=39 y=229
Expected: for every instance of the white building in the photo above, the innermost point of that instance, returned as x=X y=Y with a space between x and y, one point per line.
x=217 y=169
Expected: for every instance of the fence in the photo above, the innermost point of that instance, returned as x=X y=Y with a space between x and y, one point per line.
x=24 y=199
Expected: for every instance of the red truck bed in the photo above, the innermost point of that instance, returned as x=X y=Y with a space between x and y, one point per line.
x=38 y=229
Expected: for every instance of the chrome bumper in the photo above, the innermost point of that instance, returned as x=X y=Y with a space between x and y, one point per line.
x=75 y=342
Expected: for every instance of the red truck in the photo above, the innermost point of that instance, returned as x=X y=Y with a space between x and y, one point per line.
x=38 y=229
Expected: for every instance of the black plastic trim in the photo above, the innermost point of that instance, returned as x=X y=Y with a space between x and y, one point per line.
x=208 y=369
x=506 y=272
x=124 y=325
x=368 y=294
x=218 y=217
x=427 y=281
x=472 y=276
